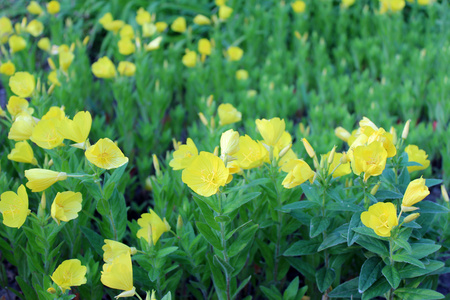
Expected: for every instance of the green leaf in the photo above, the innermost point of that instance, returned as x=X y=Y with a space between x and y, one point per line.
x=207 y=213
x=95 y=239
x=291 y=290
x=368 y=232
x=411 y=271
x=103 y=207
x=300 y=205
x=392 y=275
x=116 y=175
x=352 y=235
x=344 y=207
x=428 y=207
x=242 y=241
x=331 y=240
x=238 y=201
x=318 y=225
x=231 y=233
x=418 y=294
x=218 y=278
x=403 y=244
x=209 y=235
x=222 y=219
x=348 y=289
x=241 y=287
x=256 y=182
x=27 y=290
x=303 y=247
x=421 y=250
x=166 y=251
x=370 y=272
x=432 y=182
x=271 y=293
x=301 y=266
x=383 y=195
x=377 y=289
x=225 y=266
x=373 y=245
x=324 y=279
x=408 y=259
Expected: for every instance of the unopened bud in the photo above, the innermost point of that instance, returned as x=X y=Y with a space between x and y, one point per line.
x=344 y=158
x=179 y=223
x=409 y=208
x=156 y=165
x=133 y=250
x=394 y=135
x=375 y=189
x=210 y=100
x=213 y=123
x=285 y=150
x=86 y=40
x=148 y=184
x=216 y=151
x=406 y=130
x=444 y=193
x=308 y=148
x=51 y=89
x=50 y=163
x=411 y=217
x=175 y=144
x=51 y=290
x=342 y=133
x=203 y=119
x=331 y=156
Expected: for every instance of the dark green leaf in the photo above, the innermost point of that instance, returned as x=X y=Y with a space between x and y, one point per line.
x=238 y=201
x=411 y=271
x=318 y=225
x=348 y=289
x=207 y=213
x=166 y=251
x=383 y=195
x=244 y=239
x=355 y=222
x=392 y=275
x=324 y=279
x=300 y=205
x=418 y=294
x=95 y=239
x=370 y=272
x=373 y=245
x=408 y=259
x=291 y=290
x=331 y=240
x=432 y=182
x=209 y=235
x=303 y=247
x=428 y=207
x=403 y=244
x=379 y=288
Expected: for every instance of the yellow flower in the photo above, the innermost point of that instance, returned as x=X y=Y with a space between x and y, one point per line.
x=347 y=3
x=22 y=128
x=298 y=172
x=152 y=227
x=202 y=20
x=22 y=152
x=126 y=68
x=16 y=43
x=417 y=155
x=46 y=134
x=148 y=29
x=251 y=153
x=22 y=84
x=127 y=32
x=154 y=45
x=104 y=68
x=113 y=249
x=381 y=217
x=341 y=133
x=391 y=5
x=225 y=12
x=44 y=44
x=229 y=143
x=424 y=2
x=309 y=149
x=106 y=155
x=16 y=105
x=5 y=29
x=107 y=18
x=78 y=129
x=235 y=53
x=143 y=16
x=228 y=114
x=34 y=8
x=55 y=112
x=241 y=74
x=298 y=6
x=220 y=2
x=65 y=206
x=190 y=59
x=386 y=138
x=8 y=68
x=53 y=78
x=184 y=156
x=206 y=174
x=179 y=25
x=271 y=130
x=114 y=26
x=161 y=26
x=53 y=7
x=14 y=207
x=415 y=192
x=69 y=273
x=370 y=159
x=342 y=170
x=35 y=28
x=126 y=47
x=65 y=60
x=41 y=179
x=119 y=275
x=204 y=46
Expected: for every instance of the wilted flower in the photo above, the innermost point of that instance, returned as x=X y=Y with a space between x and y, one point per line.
x=381 y=217
x=126 y=68
x=106 y=155
x=41 y=179
x=152 y=227
x=228 y=114
x=154 y=44
x=417 y=155
x=65 y=206
x=104 y=68
x=415 y=192
x=179 y=25
x=184 y=155
x=22 y=152
x=22 y=84
x=69 y=273
x=206 y=174
x=148 y=29
x=342 y=133
x=14 y=207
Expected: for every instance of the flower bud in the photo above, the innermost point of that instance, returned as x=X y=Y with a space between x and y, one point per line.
x=411 y=217
x=444 y=193
x=344 y=159
x=308 y=148
x=203 y=119
x=406 y=130
x=210 y=100
x=179 y=223
x=409 y=208
x=216 y=151
x=331 y=156
x=51 y=290
x=394 y=135
x=342 y=133
x=285 y=150
x=133 y=250
x=375 y=189
x=148 y=184
x=156 y=165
